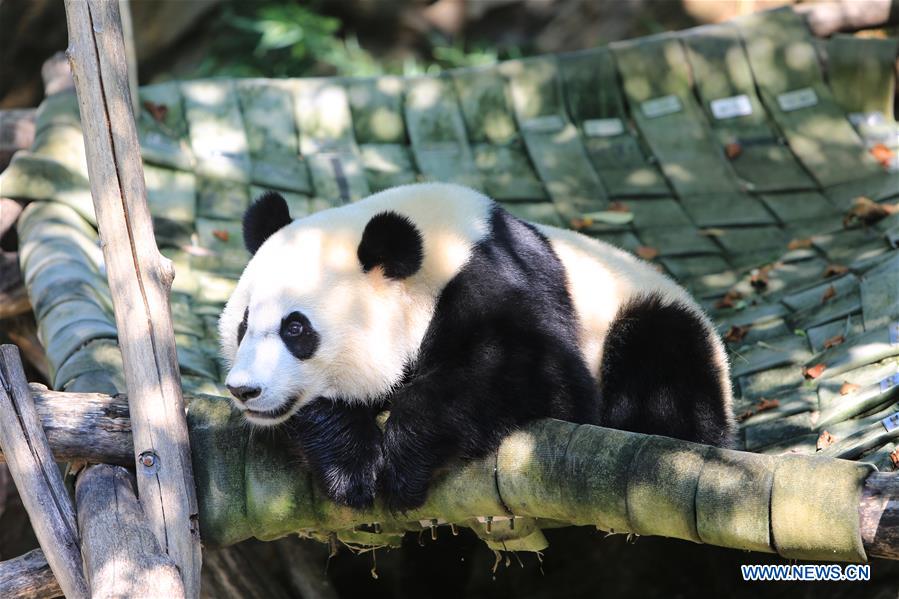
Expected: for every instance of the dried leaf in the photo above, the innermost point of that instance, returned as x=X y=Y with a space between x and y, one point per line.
x=848 y=388
x=581 y=223
x=813 y=372
x=220 y=234
x=833 y=341
x=767 y=404
x=647 y=252
x=729 y=299
x=867 y=212
x=617 y=206
x=800 y=244
x=834 y=270
x=712 y=232
x=882 y=154
x=745 y=415
x=157 y=111
x=736 y=333
x=829 y=294
x=825 y=440
x=733 y=150
x=761 y=406
x=894 y=457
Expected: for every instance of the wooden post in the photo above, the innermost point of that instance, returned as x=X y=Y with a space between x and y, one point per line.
x=140 y=279
x=28 y=576
x=85 y=427
x=121 y=555
x=37 y=477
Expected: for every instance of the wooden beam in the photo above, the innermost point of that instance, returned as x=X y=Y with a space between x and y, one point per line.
x=37 y=477
x=85 y=427
x=140 y=280
x=28 y=576
x=121 y=555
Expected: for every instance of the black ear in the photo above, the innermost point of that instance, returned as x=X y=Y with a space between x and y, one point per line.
x=264 y=217
x=392 y=242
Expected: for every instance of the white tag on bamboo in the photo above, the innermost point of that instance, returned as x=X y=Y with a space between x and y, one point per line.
x=731 y=107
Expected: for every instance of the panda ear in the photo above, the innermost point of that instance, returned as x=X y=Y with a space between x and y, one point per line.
x=267 y=215
x=392 y=242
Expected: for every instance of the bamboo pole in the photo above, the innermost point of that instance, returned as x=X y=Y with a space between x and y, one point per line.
x=95 y=427
x=37 y=477
x=140 y=279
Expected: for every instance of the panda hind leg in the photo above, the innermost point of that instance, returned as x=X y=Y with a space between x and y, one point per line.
x=661 y=375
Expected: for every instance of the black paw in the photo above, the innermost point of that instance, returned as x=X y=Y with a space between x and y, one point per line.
x=355 y=489
x=403 y=490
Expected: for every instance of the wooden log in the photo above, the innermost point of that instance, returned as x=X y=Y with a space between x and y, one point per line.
x=140 y=280
x=85 y=427
x=827 y=18
x=121 y=555
x=37 y=477
x=28 y=576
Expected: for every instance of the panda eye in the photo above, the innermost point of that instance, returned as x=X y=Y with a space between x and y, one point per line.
x=299 y=336
x=242 y=327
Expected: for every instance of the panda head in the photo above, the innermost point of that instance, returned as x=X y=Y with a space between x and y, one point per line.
x=323 y=309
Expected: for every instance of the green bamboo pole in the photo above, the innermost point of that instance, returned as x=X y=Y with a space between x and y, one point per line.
x=802 y=507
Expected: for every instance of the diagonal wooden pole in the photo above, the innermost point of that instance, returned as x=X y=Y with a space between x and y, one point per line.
x=37 y=477
x=140 y=280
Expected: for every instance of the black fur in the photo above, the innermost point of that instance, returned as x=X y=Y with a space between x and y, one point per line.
x=500 y=350
x=392 y=242
x=342 y=445
x=267 y=215
x=659 y=374
x=242 y=327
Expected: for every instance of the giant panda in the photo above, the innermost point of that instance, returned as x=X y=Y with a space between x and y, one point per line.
x=434 y=302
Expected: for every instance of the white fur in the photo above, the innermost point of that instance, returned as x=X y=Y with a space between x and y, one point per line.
x=371 y=326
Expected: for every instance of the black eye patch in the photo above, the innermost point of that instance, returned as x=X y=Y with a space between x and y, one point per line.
x=299 y=336
x=242 y=327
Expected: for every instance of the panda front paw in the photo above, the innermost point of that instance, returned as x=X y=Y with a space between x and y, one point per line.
x=352 y=488
x=402 y=489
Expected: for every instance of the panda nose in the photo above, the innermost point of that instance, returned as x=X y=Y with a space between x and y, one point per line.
x=244 y=393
